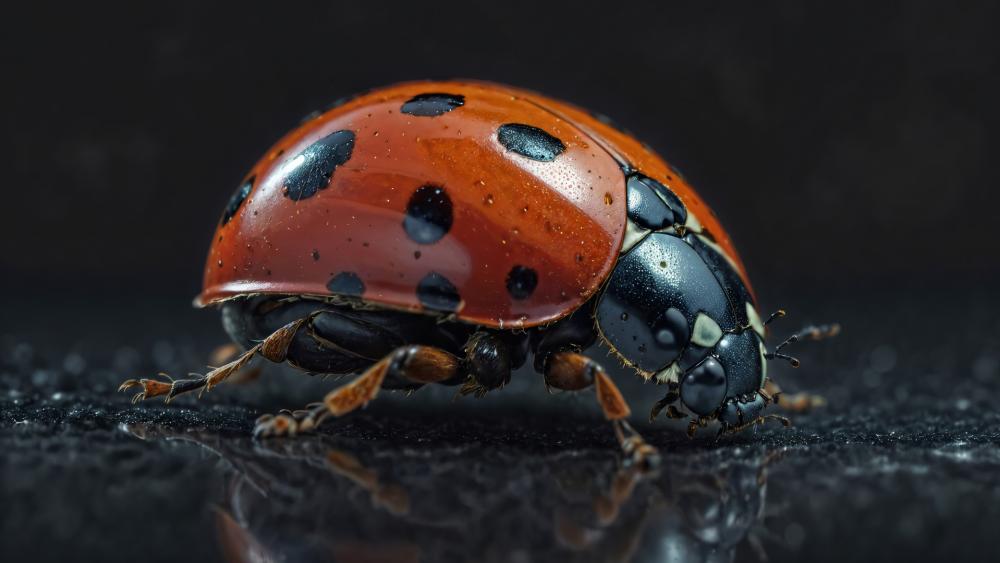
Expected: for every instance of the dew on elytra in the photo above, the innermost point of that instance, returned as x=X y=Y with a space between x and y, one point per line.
x=608 y=200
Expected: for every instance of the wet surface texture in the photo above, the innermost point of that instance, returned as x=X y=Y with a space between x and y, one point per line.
x=901 y=465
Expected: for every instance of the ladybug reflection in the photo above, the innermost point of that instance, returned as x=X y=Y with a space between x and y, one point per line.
x=449 y=232
x=306 y=500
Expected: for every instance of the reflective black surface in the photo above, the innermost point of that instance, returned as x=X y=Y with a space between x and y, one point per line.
x=902 y=463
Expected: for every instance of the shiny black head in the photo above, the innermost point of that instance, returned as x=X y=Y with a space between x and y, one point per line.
x=676 y=309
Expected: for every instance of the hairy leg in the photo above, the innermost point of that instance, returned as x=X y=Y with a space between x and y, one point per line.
x=274 y=348
x=572 y=371
x=793 y=402
x=415 y=364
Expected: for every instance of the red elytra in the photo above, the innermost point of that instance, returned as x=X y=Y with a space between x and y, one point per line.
x=559 y=215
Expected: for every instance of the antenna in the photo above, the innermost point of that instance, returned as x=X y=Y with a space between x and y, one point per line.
x=811 y=332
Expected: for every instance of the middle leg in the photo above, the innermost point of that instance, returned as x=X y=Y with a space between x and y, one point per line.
x=413 y=364
x=487 y=364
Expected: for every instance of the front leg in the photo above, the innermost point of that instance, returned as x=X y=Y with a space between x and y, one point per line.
x=793 y=402
x=571 y=371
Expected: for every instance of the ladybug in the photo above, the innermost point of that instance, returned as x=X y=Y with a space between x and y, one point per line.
x=448 y=232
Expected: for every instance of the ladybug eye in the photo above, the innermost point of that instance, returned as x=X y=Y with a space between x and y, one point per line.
x=704 y=387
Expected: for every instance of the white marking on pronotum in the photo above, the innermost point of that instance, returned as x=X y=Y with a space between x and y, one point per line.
x=706 y=331
x=754 y=318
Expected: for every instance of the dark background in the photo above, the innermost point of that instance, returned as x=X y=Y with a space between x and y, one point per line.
x=845 y=149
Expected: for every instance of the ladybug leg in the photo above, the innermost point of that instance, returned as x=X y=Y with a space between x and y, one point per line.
x=667 y=402
x=392 y=497
x=488 y=362
x=792 y=402
x=606 y=507
x=571 y=371
x=274 y=348
x=416 y=364
x=759 y=420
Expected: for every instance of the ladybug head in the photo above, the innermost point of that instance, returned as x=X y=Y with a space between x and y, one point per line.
x=725 y=381
x=669 y=312
x=720 y=384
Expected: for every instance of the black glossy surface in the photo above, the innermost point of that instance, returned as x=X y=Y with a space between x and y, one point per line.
x=642 y=185
x=646 y=209
x=429 y=214
x=730 y=281
x=237 y=199
x=432 y=105
x=311 y=170
x=704 y=387
x=659 y=273
x=437 y=293
x=530 y=141
x=521 y=282
x=901 y=465
x=346 y=283
x=740 y=354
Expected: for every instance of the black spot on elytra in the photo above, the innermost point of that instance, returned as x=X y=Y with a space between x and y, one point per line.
x=432 y=105
x=521 y=282
x=529 y=141
x=610 y=122
x=332 y=105
x=346 y=283
x=437 y=293
x=429 y=215
x=236 y=201
x=312 y=169
x=344 y=99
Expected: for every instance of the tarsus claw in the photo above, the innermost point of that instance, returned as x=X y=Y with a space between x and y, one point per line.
x=150 y=388
x=128 y=384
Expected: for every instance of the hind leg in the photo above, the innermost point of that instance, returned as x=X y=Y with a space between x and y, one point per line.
x=274 y=348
